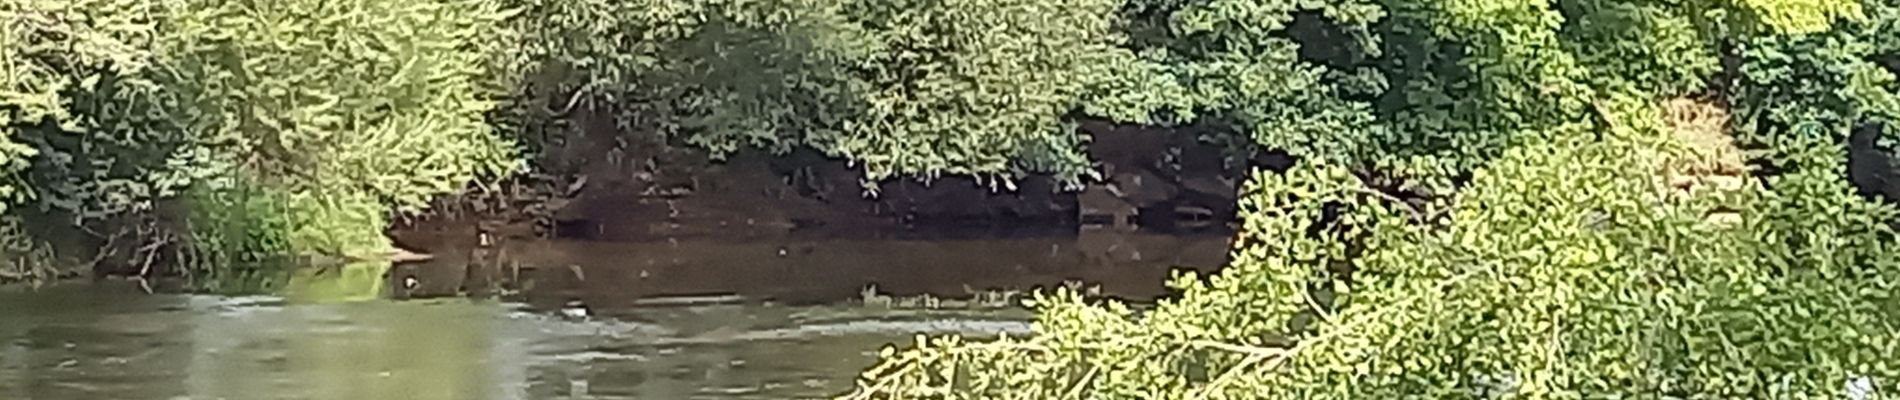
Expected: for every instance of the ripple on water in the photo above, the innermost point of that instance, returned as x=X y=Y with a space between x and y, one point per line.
x=892 y=327
x=596 y=356
x=234 y=306
x=554 y=326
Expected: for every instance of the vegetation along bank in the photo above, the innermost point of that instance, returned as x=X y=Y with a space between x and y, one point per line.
x=1546 y=198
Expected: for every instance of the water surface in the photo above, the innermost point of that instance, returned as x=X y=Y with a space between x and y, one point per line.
x=671 y=320
x=110 y=341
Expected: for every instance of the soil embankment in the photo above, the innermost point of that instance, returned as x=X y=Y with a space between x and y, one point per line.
x=648 y=216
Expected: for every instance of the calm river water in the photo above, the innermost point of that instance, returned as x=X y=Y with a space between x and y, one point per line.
x=713 y=321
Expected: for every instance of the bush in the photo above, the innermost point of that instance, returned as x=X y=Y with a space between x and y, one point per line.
x=1581 y=234
x=334 y=112
x=1566 y=269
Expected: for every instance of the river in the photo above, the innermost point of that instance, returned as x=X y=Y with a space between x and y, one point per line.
x=571 y=320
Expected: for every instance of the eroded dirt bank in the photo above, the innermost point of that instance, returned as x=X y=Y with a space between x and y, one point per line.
x=604 y=214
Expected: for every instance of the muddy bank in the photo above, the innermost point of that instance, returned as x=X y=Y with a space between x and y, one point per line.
x=598 y=182
x=610 y=214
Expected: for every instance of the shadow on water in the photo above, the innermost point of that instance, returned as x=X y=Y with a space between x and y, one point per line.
x=670 y=320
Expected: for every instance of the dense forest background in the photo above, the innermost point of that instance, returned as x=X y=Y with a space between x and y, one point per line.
x=1547 y=198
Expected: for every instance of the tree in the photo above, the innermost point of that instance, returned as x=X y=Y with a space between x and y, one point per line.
x=284 y=127
x=916 y=88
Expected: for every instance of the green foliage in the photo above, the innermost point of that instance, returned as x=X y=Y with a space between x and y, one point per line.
x=1283 y=73
x=1549 y=255
x=1644 y=46
x=50 y=50
x=1564 y=270
x=238 y=226
x=922 y=88
x=967 y=87
x=1800 y=16
x=377 y=104
x=333 y=113
x=1564 y=265
x=1795 y=91
x=1470 y=76
x=989 y=88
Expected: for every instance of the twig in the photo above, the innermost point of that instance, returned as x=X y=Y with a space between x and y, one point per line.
x=151 y=255
x=105 y=251
x=1387 y=197
x=573 y=100
x=1075 y=392
x=1322 y=312
x=1230 y=373
x=1242 y=349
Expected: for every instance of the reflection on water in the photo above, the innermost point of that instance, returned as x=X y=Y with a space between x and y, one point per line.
x=664 y=320
x=339 y=351
x=614 y=274
x=347 y=283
